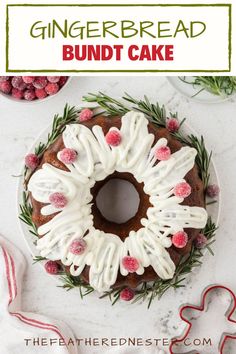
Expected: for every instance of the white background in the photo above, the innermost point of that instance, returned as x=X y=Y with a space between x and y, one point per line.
x=208 y=51
x=21 y=123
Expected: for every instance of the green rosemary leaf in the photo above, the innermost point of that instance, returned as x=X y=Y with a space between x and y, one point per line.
x=39 y=149
x=26 y=214
x=33 y=233
x=110 y=105
x=81 y=293
x=212 y=202
x=203 y=158
x=106 y=293
x=70 y=282
x=117 y=297
x=37 y=259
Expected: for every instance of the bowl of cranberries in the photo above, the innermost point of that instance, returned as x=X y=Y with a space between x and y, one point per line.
x=31 y=88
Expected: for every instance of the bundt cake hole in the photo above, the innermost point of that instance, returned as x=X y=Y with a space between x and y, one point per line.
x=118 y=200
x=119 y=204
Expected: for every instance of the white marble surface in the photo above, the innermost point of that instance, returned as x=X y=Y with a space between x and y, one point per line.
x=91 y=317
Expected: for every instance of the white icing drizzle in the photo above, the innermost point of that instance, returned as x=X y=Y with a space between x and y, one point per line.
x=96 y=160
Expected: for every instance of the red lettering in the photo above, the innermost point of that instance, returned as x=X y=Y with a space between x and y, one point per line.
x=118 y=51
x=107 y=52
x=80 y=52
x=67 y=51
x=169 y=52
x=93 y=52
x=131 y=49
x=156 y=52
x=145 y=53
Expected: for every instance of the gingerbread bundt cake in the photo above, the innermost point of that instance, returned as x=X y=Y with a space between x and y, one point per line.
x=72 y=229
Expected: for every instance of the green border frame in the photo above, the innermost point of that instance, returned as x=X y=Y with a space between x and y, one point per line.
x=229 y=6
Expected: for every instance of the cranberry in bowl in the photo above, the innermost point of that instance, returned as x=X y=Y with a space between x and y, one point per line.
x=31 y=88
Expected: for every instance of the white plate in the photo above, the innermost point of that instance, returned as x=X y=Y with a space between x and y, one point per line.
x=190 y=91
x=213 y=209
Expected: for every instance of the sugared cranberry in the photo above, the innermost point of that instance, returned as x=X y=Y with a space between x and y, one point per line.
x=58 y=200
x=31 y=161
x=130 y=263
x=4 y=78
x=63 y=80
x=172 y=125
x=200 y=241
x=52 y=267
x=28 y=79
x=5 y=87
x=182 y=190
x=113 y=138
x=85 y=114
x=40 y=82
x=30 y=87
x=127 y=294
x=180 y=239
x=29 y=95
x=52 y=89
x=40 y=93
x=163 y=153
x=18 y=83
x=53 y=79
x=78 y=246
x=68 y=156
x=18 y=94
x=213 y=190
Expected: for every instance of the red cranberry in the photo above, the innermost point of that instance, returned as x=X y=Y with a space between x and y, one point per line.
x=18 y=83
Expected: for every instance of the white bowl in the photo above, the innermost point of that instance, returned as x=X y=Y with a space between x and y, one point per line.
x=38 y=100
x=190 y=92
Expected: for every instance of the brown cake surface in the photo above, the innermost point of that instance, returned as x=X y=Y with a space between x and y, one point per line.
x=196 y=198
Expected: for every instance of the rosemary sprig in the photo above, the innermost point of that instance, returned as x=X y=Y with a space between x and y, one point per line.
x=69 y=116
x=114 y=295
x=109 y=104
x=155 y=113
x=71 y=282
x=37 y=259
x=26 y=214
x=39 y=150
x=203 y=157
x=68 y=281
x=217 y=85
